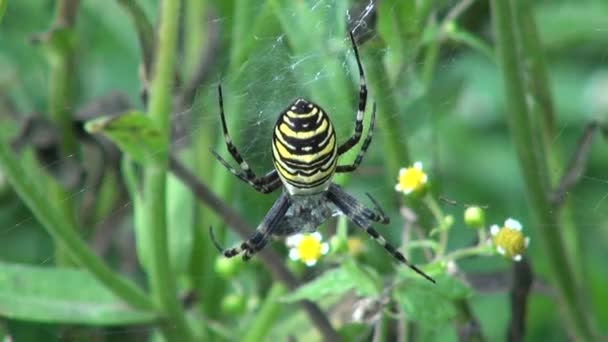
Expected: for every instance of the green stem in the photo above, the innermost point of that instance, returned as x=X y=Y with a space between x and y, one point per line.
x=543 y=113
x=481 y=249
x=430 y=244
x=432 y=205
x=532 y=168
x=2 y=8
x=431 y=57
x=194 y=33
x=65 y=233
x=145 y=32
x=163 y=283
x=62 y=80
x=62 y=60
x=471 y=40
x=267 y=315
x=389 y=119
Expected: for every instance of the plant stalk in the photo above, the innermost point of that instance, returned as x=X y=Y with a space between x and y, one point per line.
x=532 y=165
x=163 y=283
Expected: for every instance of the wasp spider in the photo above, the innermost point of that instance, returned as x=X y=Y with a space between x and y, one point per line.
x=305 y=156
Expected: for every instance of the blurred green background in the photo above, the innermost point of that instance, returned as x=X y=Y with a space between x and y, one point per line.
x=441 y=101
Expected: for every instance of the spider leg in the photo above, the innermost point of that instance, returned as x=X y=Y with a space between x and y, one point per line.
x=258 y=240
x=265 y=184
x=352 y=209
x=376 y=215
x=364 y=147
x=354 y=139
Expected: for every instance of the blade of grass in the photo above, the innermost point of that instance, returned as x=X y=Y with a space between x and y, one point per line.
x=163 y=284
x=543 y=113
x=532 y=166
x=65 y=233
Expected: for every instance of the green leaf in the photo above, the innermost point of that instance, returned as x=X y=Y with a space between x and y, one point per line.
x=338 y=281
x=62 y=295
x=367 y=282
x=134 y=133
x=354 y=332
x=429 y=304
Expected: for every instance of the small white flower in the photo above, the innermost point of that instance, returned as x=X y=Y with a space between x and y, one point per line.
x=307 y=248
x=509 y=239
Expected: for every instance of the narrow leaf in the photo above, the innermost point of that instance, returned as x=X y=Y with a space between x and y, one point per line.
x=134 y=133
x=62 y=295
x=336 y=281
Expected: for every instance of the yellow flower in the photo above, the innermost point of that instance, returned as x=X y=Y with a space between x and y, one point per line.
x=411 y=179
x=307 y=248
x=509 y=240
x=355 y=246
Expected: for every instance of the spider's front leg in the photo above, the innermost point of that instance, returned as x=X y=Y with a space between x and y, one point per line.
x=259 y=239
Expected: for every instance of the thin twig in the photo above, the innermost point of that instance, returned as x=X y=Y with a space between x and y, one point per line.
x=456 y=11
x=66 y=13
x=520 y=289
x=576 y=165
x=270 y=259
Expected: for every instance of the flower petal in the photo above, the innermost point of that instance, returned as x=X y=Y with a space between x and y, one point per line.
x=324 y=248
x=311 y=262
x=294 y=240
x=501 y=250
x=517 y=257
x=294 y=255
x=418 y=165
x=513 y=224
x=317 y=236
x=494 y=229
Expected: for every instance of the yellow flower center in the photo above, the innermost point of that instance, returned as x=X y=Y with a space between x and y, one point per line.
x=355 y=246
x=411 y=179
x=309 y=249
x=511 y=240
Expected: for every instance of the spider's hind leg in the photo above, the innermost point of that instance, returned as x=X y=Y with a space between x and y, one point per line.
x=260 y=237
x=228 y=252
x=363 y=218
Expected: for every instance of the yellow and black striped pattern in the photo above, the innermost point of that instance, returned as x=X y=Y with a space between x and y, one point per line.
x=304 y=148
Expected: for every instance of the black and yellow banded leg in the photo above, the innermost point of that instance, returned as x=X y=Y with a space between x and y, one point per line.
x=265 y=184
x=347 y=204
x=354 y=139
x=364 y=147
x=260 y=237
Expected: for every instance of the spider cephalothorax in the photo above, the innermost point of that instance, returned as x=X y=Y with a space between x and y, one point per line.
x=305 y=155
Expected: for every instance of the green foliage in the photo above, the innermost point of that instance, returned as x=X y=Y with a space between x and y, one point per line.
x=432 y=68
x=134 y=133
x=3 y=4
x=61 y=295
x=338 y=281
x=431 y=305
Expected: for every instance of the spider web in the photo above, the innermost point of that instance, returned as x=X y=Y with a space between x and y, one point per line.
x=273 y=75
